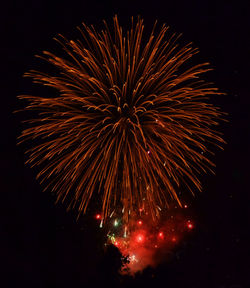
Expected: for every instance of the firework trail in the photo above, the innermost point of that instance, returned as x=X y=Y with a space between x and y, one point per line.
x=129 y=121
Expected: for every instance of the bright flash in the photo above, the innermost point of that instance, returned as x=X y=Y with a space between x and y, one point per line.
x=132 y=258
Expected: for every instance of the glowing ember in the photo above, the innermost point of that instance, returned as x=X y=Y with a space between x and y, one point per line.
x=140 y=238
x=190 y=225
x=161 y=235
x=173 y=239
x=98 y=216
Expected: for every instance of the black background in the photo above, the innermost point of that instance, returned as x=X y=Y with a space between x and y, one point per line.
x=42 y=244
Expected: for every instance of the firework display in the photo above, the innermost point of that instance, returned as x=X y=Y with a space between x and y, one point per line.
x=144 y=243
x=129 y=120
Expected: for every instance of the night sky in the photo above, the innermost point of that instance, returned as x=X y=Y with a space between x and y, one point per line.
x=42 y=244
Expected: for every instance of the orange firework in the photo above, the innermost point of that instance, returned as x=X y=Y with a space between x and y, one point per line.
x=130 y=121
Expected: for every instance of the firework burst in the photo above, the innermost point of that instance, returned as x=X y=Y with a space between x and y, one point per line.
x=130 y=121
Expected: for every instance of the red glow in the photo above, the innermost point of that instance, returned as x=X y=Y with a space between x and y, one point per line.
x=140 y=238
x=141 y=209
x=97 y=216
x=147 y=242
x=185 y=206
x=161 y=235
